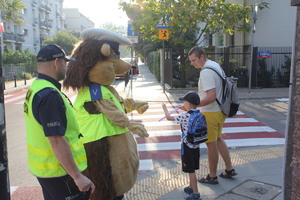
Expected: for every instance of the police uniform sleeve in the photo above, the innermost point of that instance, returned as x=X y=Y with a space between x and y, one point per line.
x=50 y=111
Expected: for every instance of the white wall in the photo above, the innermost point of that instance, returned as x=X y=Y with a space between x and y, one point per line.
x=275 y=26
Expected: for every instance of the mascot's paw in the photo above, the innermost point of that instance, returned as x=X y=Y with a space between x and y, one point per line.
x=139 y=129
x=139 y=106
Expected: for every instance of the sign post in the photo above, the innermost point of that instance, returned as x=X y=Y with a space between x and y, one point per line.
x=134 y=38
x=163 y=34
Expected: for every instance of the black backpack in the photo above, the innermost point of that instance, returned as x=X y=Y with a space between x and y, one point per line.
x=197 y=128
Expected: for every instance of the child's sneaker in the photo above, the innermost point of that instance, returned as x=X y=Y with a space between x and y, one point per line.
x=193 y=196
x=188 y=190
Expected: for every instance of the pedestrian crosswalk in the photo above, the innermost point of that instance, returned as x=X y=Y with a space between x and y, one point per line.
x=164 y=136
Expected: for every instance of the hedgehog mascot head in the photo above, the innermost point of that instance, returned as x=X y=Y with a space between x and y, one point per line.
x=111 y=149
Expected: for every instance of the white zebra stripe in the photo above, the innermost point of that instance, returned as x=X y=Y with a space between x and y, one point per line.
x=228 y=120
x=230 y=143
x=15 y=98
x=227 y=130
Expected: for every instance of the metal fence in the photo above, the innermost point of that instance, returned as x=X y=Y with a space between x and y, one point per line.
x=270 y=66
x=12 y=72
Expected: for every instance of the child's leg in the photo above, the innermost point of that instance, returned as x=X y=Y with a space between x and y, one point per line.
x=193 y=183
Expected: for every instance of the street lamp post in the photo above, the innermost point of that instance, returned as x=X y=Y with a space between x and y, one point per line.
x=252 y=45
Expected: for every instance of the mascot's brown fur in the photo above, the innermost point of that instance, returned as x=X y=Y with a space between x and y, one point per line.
x=112 y=159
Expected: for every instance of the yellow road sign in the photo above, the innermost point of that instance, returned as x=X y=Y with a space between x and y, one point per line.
x=163 y=34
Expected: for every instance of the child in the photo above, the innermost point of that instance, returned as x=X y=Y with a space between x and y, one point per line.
x=190 y=153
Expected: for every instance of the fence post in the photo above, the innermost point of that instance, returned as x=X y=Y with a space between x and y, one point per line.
x=226 y=60
x=254 y=67
x=24 y=79
x=15 y=79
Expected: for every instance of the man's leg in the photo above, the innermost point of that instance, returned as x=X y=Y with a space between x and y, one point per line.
x=213 y=157
x=223 y=150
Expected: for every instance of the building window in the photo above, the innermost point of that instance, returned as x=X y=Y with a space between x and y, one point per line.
x=24 y=11
x=25 y=32
x=221 y=40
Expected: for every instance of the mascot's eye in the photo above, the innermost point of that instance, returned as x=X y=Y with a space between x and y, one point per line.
x=115 y=55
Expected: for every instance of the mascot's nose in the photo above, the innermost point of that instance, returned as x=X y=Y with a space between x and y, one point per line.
x=121 y=67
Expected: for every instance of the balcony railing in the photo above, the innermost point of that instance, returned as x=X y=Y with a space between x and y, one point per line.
x=13 y=37
x=9 y=37
x=20 y=38
x=49 y=25
x=34 y=3
x=43 y=7
x=43 y=24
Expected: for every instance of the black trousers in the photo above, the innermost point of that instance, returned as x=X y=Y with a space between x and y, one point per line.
x=61 y=188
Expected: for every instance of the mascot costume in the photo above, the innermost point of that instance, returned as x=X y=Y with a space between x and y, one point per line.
x=111 y=149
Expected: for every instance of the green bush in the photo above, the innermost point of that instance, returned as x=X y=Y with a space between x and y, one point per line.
x=26 y=74
x=179 y=84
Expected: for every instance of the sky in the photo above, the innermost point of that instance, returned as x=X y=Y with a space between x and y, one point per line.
x=99 y=11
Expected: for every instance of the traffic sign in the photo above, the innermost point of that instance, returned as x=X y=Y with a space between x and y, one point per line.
x=130 y=31
x=133 y=39
x=163 y=34
x=264 y=54
x=163 y=23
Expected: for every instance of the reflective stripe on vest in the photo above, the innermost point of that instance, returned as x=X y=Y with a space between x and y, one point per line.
x=96 y=126
x=41 y=159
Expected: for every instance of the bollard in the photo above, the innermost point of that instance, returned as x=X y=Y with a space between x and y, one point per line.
x=24 y=79
x=15 y=79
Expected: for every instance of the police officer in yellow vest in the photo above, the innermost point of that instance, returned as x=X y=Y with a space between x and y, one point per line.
x=56 y=155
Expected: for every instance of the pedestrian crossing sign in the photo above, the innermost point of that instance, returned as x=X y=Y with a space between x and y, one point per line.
x=163 y=34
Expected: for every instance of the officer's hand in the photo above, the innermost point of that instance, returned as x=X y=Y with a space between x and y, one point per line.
x=84 y=184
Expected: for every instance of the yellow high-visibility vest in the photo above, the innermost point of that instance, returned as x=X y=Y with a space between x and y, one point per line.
x=95 y=126
x=41 y=159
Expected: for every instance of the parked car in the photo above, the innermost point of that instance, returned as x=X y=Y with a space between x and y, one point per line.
x=121 y=76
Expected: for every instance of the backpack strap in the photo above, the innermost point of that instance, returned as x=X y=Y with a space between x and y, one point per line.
x=222 y=76
x=223 y=83
x=193 y=114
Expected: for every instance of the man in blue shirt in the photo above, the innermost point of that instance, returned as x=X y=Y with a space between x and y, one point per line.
x=55 y=154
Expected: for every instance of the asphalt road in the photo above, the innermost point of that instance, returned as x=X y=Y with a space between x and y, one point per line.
x=270 y=112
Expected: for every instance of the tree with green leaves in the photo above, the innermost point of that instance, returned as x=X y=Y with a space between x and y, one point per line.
x=189 y=20
x=64 y=39
x=11 y=9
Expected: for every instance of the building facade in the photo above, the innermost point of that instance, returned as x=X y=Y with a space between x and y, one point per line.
x=274 y=27
x=75 y=21
x=261 y=57
x=42 y=18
